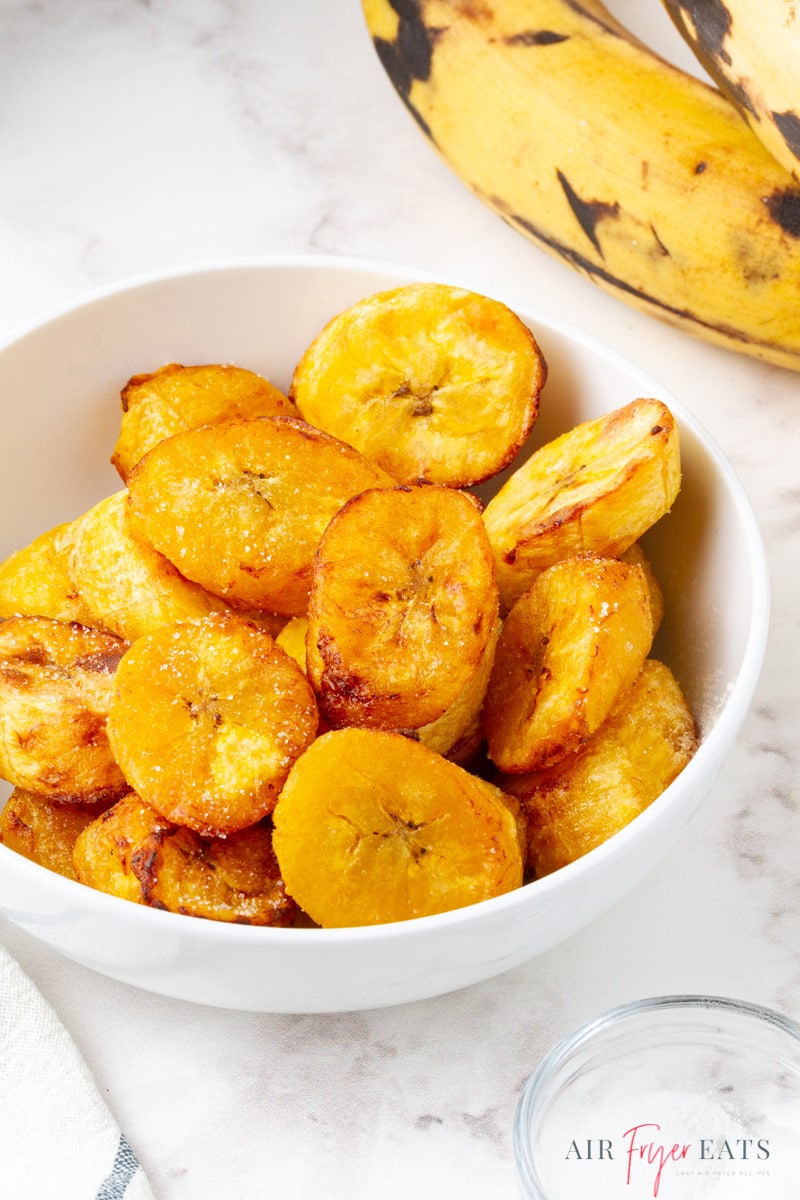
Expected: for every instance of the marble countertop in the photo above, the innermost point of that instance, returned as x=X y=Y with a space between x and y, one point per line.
x=140 y=136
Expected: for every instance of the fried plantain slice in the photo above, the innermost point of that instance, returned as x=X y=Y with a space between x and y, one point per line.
x=240 y=506
x=157 y=404
x=43 y=831
x=597 y=488
x=372 y=827
x=292 y=638
x=635 y=554
x=35 y=580
x=128 y=586
x=569 y=648
x=643 y=745
x=402 y=617
x=431 y=382
x=206 y=718
x=132 y=852
x=56 y=679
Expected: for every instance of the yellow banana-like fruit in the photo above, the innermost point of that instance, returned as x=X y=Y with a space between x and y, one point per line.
x=751 y=49
x=639 y=176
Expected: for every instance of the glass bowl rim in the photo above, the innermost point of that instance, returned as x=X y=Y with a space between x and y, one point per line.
x=561 y=1051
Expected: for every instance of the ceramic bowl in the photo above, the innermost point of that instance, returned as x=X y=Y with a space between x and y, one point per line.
x=60 y=385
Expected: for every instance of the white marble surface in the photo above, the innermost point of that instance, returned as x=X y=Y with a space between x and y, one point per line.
x=141 y=135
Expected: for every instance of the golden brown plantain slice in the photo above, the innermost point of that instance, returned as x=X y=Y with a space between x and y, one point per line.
x=372 y=827
x=43 y=831
x=158 y=404
x=636 y=753
x=635 y=554
x=597 y=488
x=569 y=648
x=128 y=586
x=206 y=719
x=239 y=507
x=431 y=382
x=402 y=617
x=132 y=852
x=458 y=732
x=56 y=679
x=292 y=639
x=35 y=580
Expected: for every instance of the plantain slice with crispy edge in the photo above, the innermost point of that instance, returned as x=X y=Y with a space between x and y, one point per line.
x=127 y=585
x=292 y=638
x=430 y=381
x=569 y=648
x=402 y=618
x=645 y=742
x=35 y=580
x=130 y=851
x=157 y=404
x=372 y=827
x=635 y=554
x=240 y=506
x=596 y=488
x=43 y=831
x=206 y=719
x=56 y=680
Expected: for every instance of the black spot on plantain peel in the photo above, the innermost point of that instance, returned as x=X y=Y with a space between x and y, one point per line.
x=537 y=37
x=409 y=56
x=587 y=212
x=788 y=124
x=713 y=23
x=710 y=18
x=784 y=208
x=606 y=279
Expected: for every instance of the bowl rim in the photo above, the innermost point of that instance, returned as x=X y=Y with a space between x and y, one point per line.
x=728 y=720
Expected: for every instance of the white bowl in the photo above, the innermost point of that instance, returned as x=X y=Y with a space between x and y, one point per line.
x=60 y=385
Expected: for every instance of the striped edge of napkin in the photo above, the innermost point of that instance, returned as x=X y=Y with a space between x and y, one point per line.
x=58 y=1140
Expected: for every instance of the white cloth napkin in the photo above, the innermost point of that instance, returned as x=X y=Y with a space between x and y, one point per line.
x=58 y=1140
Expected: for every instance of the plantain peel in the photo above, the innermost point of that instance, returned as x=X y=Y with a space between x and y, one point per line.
x=751 y=49
x=635 y=174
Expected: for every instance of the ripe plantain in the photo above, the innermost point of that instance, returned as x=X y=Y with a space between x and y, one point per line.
x=402 y=619
x=132 y=852
x=56 y=680
x=206 y=718
x=645 y=742
x=431 y=382
x=642 y=178
x=372 y=827
x=751 y=49
x=163 y=402
x=597 y=488
x=569 y=648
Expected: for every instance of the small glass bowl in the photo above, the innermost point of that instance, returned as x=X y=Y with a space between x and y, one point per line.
x=674 y=1098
